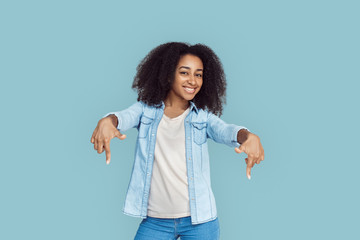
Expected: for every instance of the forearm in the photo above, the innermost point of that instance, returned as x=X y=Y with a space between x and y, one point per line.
x=127 y=118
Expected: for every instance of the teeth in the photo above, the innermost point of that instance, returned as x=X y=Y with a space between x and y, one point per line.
x=190 y=90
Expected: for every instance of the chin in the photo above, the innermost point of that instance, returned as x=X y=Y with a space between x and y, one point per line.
x=189 y=98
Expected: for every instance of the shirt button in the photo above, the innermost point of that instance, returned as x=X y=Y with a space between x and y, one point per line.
x=189 y=158
x=192 y=199
x=152 y=134
x=187 y=121
x=189 y=138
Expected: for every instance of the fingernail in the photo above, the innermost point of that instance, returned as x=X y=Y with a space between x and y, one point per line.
x=249 y=177
x=107 y=162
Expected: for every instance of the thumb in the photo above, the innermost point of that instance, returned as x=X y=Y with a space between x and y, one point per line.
x=240 y=149
x=120 y=135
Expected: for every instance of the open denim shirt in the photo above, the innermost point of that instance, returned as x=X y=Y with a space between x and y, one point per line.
x=199 y=125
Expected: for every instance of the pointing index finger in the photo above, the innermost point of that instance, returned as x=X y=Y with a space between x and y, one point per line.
x=107 y=152
x=250 y=163
x=248 y=172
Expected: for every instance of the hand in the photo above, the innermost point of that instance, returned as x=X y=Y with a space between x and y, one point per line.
x=103 y=133
x=253 y=148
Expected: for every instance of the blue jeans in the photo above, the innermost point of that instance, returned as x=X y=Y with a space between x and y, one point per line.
x=173 y=228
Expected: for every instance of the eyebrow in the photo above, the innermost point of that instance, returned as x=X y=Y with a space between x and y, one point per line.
x=199 y=69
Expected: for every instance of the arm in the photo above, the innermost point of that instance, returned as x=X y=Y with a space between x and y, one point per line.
x=221 y=132
x=128 y=118
x=110 y=126
x=238 y=137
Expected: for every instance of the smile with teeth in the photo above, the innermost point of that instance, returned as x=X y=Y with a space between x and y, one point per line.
x=189 y=90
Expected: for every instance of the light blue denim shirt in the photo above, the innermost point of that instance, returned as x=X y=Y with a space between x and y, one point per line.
x=199 y=125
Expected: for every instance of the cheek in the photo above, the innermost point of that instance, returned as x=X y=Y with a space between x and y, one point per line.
x=200 y=83
x=176 y=84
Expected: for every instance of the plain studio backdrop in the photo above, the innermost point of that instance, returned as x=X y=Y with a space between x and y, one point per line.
x=292 y=72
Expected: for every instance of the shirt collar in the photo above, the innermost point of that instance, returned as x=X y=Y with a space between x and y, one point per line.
x=193 y=106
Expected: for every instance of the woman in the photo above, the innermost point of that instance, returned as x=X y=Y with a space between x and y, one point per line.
x=181 y=90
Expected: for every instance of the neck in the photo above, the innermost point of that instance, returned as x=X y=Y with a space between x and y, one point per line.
x=174 y=102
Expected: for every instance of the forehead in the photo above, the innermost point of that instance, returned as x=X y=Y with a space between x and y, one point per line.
x=191 y=61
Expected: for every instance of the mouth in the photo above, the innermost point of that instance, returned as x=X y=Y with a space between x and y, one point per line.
x=189 y=90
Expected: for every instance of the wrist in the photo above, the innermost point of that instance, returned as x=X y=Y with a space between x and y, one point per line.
x=242 y=135
x=113 y=119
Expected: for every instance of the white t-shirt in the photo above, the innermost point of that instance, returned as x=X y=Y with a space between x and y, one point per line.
x=169 y=196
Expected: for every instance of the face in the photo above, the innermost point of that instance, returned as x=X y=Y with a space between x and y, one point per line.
x=188 y=78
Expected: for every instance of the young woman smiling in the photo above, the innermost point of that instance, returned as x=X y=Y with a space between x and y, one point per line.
x=181 y=92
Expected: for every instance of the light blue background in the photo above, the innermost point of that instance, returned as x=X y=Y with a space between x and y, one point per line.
x=293 y=79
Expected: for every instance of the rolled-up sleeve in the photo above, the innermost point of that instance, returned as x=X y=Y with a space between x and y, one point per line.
x=221 y=132
x=128 y=118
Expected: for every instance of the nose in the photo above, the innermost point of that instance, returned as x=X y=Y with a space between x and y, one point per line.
x=191 y=80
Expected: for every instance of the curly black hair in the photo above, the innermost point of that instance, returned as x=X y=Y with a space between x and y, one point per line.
x=155 y=76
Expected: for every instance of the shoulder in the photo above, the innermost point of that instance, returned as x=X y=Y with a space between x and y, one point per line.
x=205 y=113
x=200 y=115
x=148 y=110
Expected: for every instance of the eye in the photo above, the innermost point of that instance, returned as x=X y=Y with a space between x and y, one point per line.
x=199 y=75
x=183 y=73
